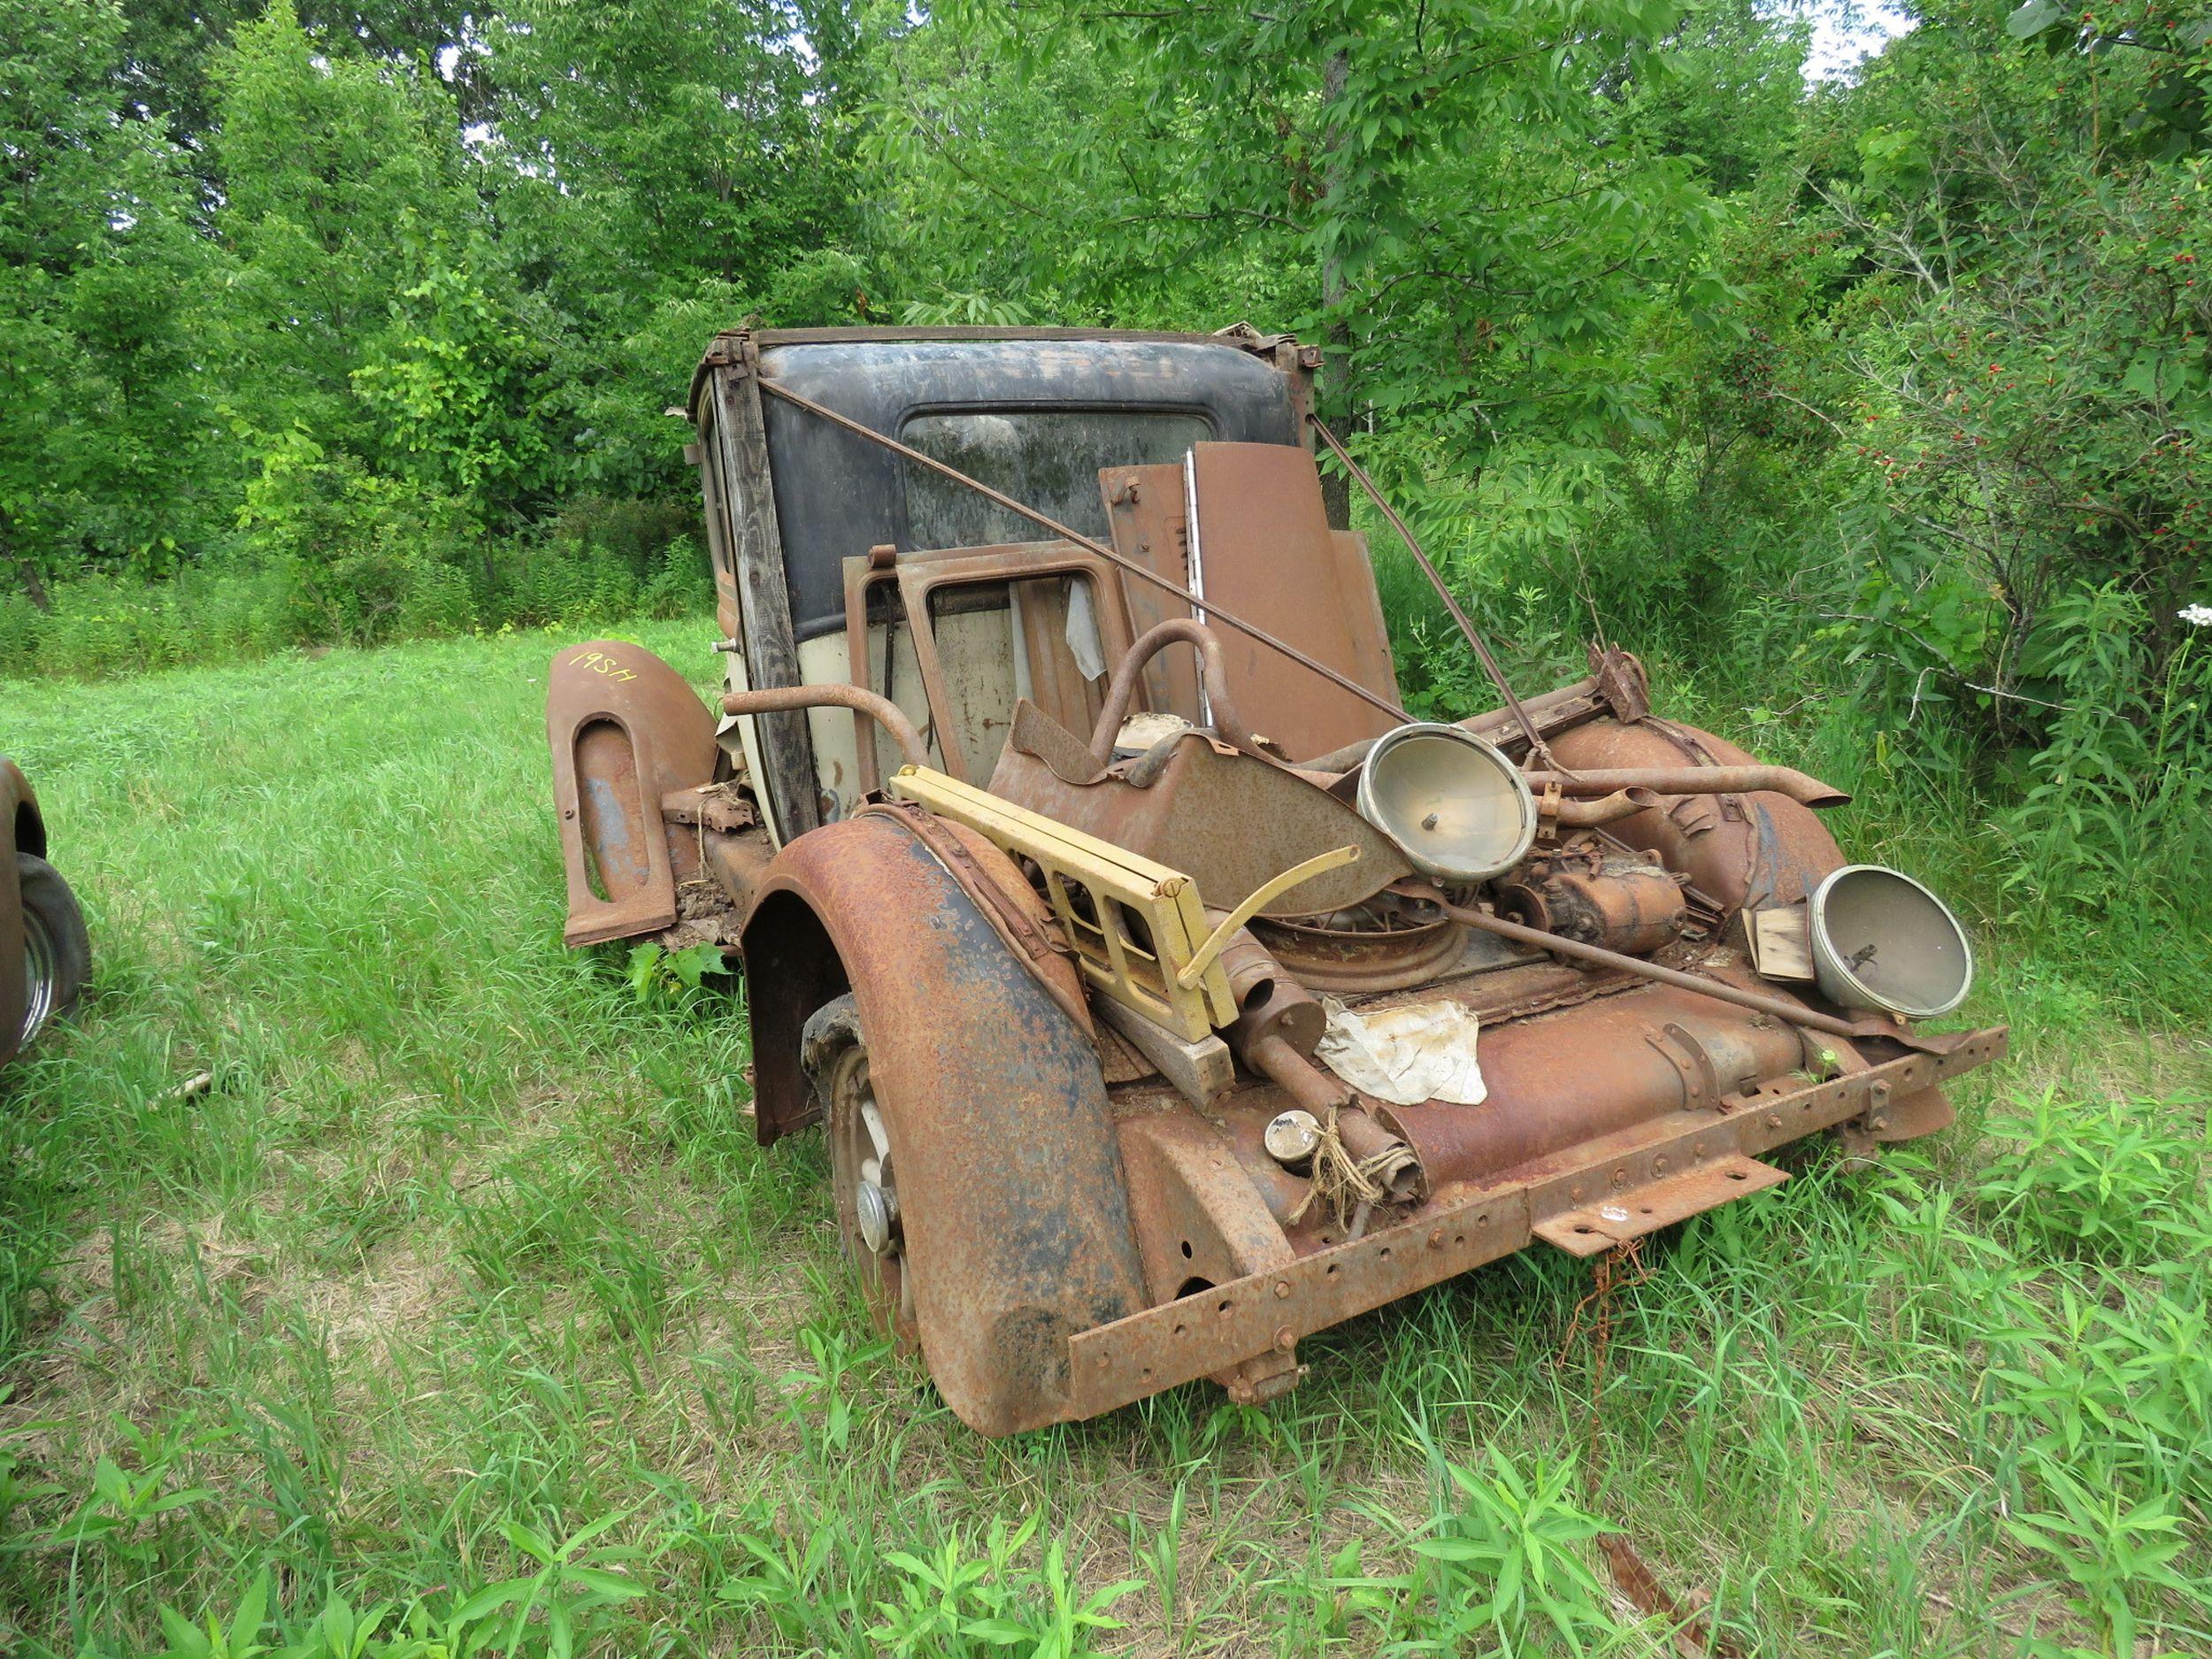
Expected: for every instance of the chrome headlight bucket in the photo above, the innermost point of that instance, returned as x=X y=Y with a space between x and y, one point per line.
x=1455 y=806
x=1882 y=941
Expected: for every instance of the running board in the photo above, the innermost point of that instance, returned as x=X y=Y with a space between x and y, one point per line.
x=1634 y=1212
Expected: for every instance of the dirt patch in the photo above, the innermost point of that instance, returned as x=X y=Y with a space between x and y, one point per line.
x=399 y=1290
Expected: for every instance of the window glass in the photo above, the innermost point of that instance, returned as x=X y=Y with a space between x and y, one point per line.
x=1045 y=458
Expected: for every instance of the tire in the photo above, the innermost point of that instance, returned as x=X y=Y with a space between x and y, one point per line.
x=57 y=951
x=834 y=1056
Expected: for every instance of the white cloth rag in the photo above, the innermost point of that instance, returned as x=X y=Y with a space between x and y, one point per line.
x=1408 y=1054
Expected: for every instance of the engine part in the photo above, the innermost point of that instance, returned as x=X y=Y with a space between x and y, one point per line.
x=1882 y=941
x=1620 y=902
x=1319 y=1092
x=1215 y=678
x=1746 y=851
x=1388 y=943
x=1270 y=1002
x=1801 y=787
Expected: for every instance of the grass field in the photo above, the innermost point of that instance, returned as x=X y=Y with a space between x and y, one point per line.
x=461 y=1314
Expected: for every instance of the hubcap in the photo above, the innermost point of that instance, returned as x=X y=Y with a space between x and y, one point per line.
x=40 y=972
x=874 y=1198
x=860 y=1150
x=877 y=1210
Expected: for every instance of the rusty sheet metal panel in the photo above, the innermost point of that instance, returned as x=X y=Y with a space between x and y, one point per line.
x=624 y=730
x=1461 y=1227
x=1230 y=821
x=1017 y=1228
x=1559 y=1080
x=1263 y=549
x=1272 y=559
x=1198 y=1216
x=1144 y=511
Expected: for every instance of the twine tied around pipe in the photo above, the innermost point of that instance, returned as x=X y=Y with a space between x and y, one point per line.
x=1349 y=1186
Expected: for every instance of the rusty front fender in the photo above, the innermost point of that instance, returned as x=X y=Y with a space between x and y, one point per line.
x=1017 y=1232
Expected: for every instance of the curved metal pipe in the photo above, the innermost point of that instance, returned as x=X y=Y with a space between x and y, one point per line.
x=883 y=710
x=1123 y=687
x=1607 y=808
x=1694 y=780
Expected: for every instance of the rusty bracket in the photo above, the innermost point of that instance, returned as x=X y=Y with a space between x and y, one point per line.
x=1702 y=1085
x=1548 y=804
x=1632 y=1212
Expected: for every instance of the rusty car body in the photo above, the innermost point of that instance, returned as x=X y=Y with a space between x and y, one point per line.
x=44 y=953
x=1098 y=899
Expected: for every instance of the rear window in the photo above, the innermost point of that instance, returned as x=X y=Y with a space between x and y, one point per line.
x=1045 y=458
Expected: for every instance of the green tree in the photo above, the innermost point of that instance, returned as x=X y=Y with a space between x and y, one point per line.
x=659 y=170
x=336 y=183
x=102 y=420
x=452 y=380
x=1437 y=191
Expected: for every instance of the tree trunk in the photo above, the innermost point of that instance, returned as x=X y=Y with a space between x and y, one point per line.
x=34 y=584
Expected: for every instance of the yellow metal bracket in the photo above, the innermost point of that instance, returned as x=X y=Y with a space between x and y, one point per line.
x=1266 y=894
x=1137 y=927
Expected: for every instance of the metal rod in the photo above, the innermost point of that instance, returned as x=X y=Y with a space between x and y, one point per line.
x=1210 y=608
x=1490 y=724
x=1576 y=813
x=1795 y=1013
x=1466 y=626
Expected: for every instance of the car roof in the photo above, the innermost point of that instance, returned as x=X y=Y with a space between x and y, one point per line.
x=1242 y=336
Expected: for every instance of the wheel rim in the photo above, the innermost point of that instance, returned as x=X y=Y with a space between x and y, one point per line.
x=42 y=970
x=862 y=1170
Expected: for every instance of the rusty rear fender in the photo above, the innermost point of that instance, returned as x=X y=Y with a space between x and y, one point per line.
x=1017 y=1231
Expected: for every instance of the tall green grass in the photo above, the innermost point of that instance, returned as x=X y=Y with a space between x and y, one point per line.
x=461 y=1314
